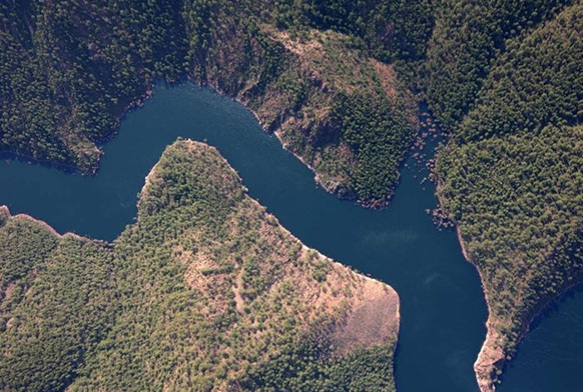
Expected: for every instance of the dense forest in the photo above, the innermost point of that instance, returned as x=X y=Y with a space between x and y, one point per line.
x=205 y=292
x=71 y=68
x=338 y=82
x=511 y=175
x=468 y=37
x=57 y=301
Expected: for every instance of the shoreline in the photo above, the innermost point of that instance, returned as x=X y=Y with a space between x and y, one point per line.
x=390 y=290
x=276 y=132
x=485 y=364
x=462 y=244
x=368 y=284
x=489 y=355
x=73 y=169
x=332 y=187
x=492 y=357
x=7 y=214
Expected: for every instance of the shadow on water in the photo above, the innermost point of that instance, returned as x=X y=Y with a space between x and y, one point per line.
x=551 y=356
x=442 y=308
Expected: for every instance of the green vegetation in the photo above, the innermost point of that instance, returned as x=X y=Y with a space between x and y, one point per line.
x=517 y=200
x=538 y=81
x=379 y=137
x=333 y=79
x=292 y=64
x=69 y=70
x=308 y=366
x=206 y=291
x=511 y=179
x=389 y=29
x=56 y=304
x=468 y=37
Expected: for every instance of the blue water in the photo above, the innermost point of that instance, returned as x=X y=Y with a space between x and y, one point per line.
x=442 y=308
x=550 y=359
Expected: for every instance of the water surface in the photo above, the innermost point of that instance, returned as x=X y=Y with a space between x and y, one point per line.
x=550 y=359
x=442 y=308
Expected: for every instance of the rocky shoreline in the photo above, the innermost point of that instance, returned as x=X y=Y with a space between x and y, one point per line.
x=5 y=215
x=491 y=356
x=492 y=359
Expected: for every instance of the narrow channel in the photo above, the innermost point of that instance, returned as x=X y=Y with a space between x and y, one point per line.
x=442 y=307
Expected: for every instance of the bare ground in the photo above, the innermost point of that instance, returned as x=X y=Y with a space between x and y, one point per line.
x=373 y=320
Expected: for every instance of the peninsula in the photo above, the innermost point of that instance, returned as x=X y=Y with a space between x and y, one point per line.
x=339 y=83
x=206 y=291
x=511 y=178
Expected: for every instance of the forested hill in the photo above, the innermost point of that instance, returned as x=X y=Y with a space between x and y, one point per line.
x=468 y=37
x=319 y=72
x=70 y=69
x=205 y=292
x=335 y=80
x=511 y=177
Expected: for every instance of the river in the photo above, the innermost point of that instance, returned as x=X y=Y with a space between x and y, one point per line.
x=442 y=307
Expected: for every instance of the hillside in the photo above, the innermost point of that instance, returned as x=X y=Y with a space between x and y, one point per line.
x=312 y=71
x=511 y=179
x=205 y=292
x=468 y=37
x=339 y=82
x=57 y=300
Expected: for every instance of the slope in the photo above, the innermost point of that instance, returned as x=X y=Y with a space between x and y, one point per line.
x=206 y=291
x=511 y=177
x=69 y=70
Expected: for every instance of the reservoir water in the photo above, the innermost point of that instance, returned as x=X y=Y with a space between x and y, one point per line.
x=442 y=307
x=550 y=358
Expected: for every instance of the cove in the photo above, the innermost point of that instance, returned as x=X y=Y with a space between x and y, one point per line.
x=442 y=307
